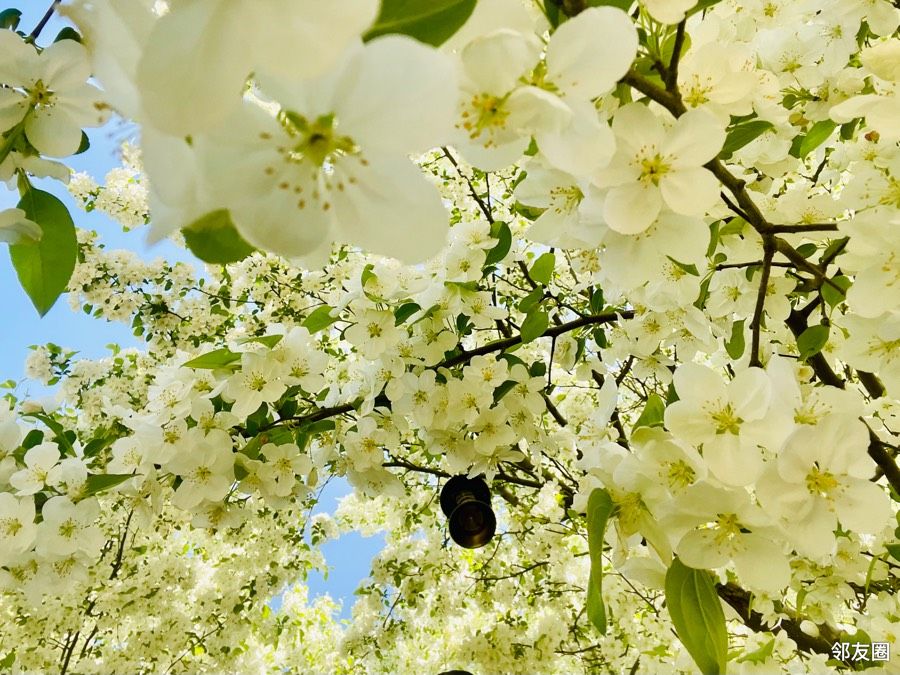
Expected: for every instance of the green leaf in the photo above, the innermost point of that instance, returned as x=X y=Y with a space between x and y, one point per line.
x=85 y=144
x=818 y=134
x=597 y=301
x=735 y=345
x=403 y=312
x=44 y=267
x=430 y=21
x=595 y=608
x=894 y=550
x=742 y=134
x=319 y=319
x=760 y=655
x=685 y=267
x=621 y=4
x=9 y=18
x=701 y=6
x=530 y=300
x=504 y=241
x=214 y=239
x=503 y=389
x=218 y=358
x=831 y=295
x=534 y=325
x=101 y=482
x=653 y=413
x=807 y=249
x=599 y=509
x=68 y=33
x=812 y=340
x=267 y=340
x=542 y=269
x=697 y=616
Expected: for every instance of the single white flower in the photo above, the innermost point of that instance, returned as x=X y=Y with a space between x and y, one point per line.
x=655 y=166
x=257 y=382
x=68 y=528
x=283 y=464
x=49 y=91
x=822 y=478
x=333 y=164
x=17 y=528
x=725 y=526
x=205 y=464
x=39 y=461
x=726 y=419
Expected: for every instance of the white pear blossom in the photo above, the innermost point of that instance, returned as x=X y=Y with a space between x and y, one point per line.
x=332 y=163
x=17 y=528
x=15 y=228
x=205 y=465
x=48 y=93
x=68 y=528
x=39 y=461
x=821 y=478
x=654 y=166
x=727 y=420
x=725 y=526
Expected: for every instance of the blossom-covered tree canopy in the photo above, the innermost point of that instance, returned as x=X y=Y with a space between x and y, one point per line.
x=636 y=264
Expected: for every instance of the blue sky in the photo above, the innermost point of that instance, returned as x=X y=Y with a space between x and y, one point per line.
x=349 y=556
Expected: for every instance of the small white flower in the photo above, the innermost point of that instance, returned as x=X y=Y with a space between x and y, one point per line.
x=39 y=461
x=654 y=166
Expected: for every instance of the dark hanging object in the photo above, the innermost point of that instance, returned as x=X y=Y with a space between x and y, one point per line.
x=467 y=504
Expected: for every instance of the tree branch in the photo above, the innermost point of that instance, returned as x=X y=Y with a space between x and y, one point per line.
x=756 y=323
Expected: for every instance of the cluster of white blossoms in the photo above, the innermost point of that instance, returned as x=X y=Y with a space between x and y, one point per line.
x=657 y=259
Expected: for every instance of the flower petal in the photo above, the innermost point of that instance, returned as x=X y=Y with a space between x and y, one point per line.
x=392 y=210
x=690 y=192
x=582 y=147
x=696 y=138
x=632 y=208
x=732 y=462
x=191 y=74
x=761 y=564
x=397 y=95
x=589 y=53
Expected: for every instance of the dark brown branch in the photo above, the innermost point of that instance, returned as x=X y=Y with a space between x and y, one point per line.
x=671 y=79
x=739 y=599
x=485 y=209
x=506 y=343
x=756 y=323
x=43 y=22
x=805 y=227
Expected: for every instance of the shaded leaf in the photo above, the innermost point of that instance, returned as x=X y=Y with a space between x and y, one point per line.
x=319 y=319
x=101 y=482
x=534 y=325
x=812 y=340
x=697 y=615
x=214 y=239
x=430 y=21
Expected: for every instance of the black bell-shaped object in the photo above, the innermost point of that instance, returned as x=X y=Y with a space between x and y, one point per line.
x=467 y=504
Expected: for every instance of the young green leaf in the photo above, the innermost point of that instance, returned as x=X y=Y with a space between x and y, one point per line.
x=101 y=482
x=504 y=241
x=214 y=239
x=542 y=269
x=218 y=358
x=697 y=616
x=653 y=413
x=44 y=267
x=742 y=134
x=735 y=345
x=812 y=340
x=600 y=507
x=534 y=325
x=818 y=134
x=429 y=21
x=404 y=311
x=319 y=319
